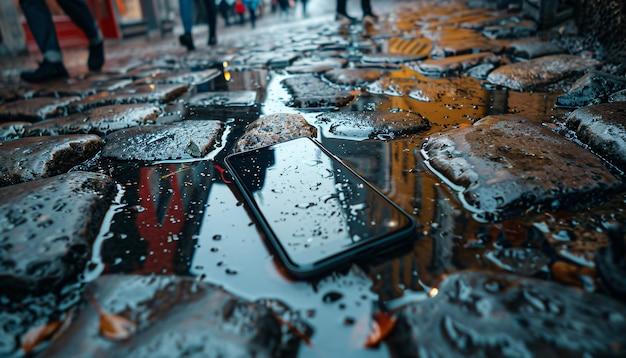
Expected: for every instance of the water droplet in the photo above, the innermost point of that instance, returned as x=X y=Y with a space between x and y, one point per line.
x=332 y=297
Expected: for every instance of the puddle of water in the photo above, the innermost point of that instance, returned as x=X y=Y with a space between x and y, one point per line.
x=184 y=218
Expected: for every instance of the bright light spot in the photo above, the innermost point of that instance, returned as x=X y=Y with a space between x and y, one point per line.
x=433 y=292
x=227 y=76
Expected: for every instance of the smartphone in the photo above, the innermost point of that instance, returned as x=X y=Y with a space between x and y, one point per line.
x=316 y=212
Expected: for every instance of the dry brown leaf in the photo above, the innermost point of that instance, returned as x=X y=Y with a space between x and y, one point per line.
x=382 y=326
x=38 y=334
x=115 y=327
x=112 y=326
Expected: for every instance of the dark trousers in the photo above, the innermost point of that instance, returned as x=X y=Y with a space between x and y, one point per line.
x=39 y=21
x=365 y=5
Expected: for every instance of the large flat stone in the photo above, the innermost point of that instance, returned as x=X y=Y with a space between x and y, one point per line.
x=540 y=71
x=533 y=47
x=315 y=65
x=185 y=77
x=309 y=91
x=152 y=93
x=484 y=314
x=101 y=120
x=465 y=45
x=592 y=88
x=180 y=317
x=181 y=140
x=603 y=128
x=352 y=77
x=225 y=104
x=419 y=47
x=47 y=227
x=33 y=158
x=35 y=109
x=505 y=165
x=82 y=87
x=375 y=125
x=455 y=64
x=274 y=128
x=12 y=130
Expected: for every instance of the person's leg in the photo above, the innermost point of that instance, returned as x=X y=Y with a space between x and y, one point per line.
x=367 y=9
x=223 y=7
x=212 y=20
x=39 y=21
x=341 y=11
x=252 y=16
x=81 y=15
x=186 y=15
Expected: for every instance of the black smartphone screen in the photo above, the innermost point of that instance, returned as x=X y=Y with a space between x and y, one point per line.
x=315 y=210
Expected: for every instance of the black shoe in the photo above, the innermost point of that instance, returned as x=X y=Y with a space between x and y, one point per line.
x=187 y=41
x=47 y=71
x=96 y=57
x=342 y=16
x=212 y=40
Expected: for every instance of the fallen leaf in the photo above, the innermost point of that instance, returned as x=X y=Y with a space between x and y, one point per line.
x=112 y=326
x=382 y=326
x=38 y=334
x=115 y=327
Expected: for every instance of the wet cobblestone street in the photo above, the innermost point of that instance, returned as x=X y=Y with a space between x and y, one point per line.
x=122 y=233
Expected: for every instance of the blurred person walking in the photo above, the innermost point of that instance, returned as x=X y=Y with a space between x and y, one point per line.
x=251 y=5
x=186 y=14
x=39 y=20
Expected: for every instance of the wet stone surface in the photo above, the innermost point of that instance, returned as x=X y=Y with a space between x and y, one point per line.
x=533 y=47
x=376 y=125
x=455 y=64
x=100 y=121
x=506 y=165
x=190 y=78
x=273 y=129
x=352 y=77
x=415 y=47
x=12 y=130
x=603 y=128
x=181 y=140
x=34 y=158
x=309 y=91
x=225 y=104
x=619 y=96
x=35 y=109
x=82 y=87
x=464 y=45
x=315 y=65
x=511 y=30
x=540 y=71
x=391 y=58
x=47 y=228
x=484 y=314
x=193 y=318
x=503 y=195
x=593 y=88
x=153 y=93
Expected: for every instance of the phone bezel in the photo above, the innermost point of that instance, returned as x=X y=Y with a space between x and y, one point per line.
x=337 y=259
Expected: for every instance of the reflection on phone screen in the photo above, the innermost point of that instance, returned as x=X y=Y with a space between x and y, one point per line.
x=315 y=207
